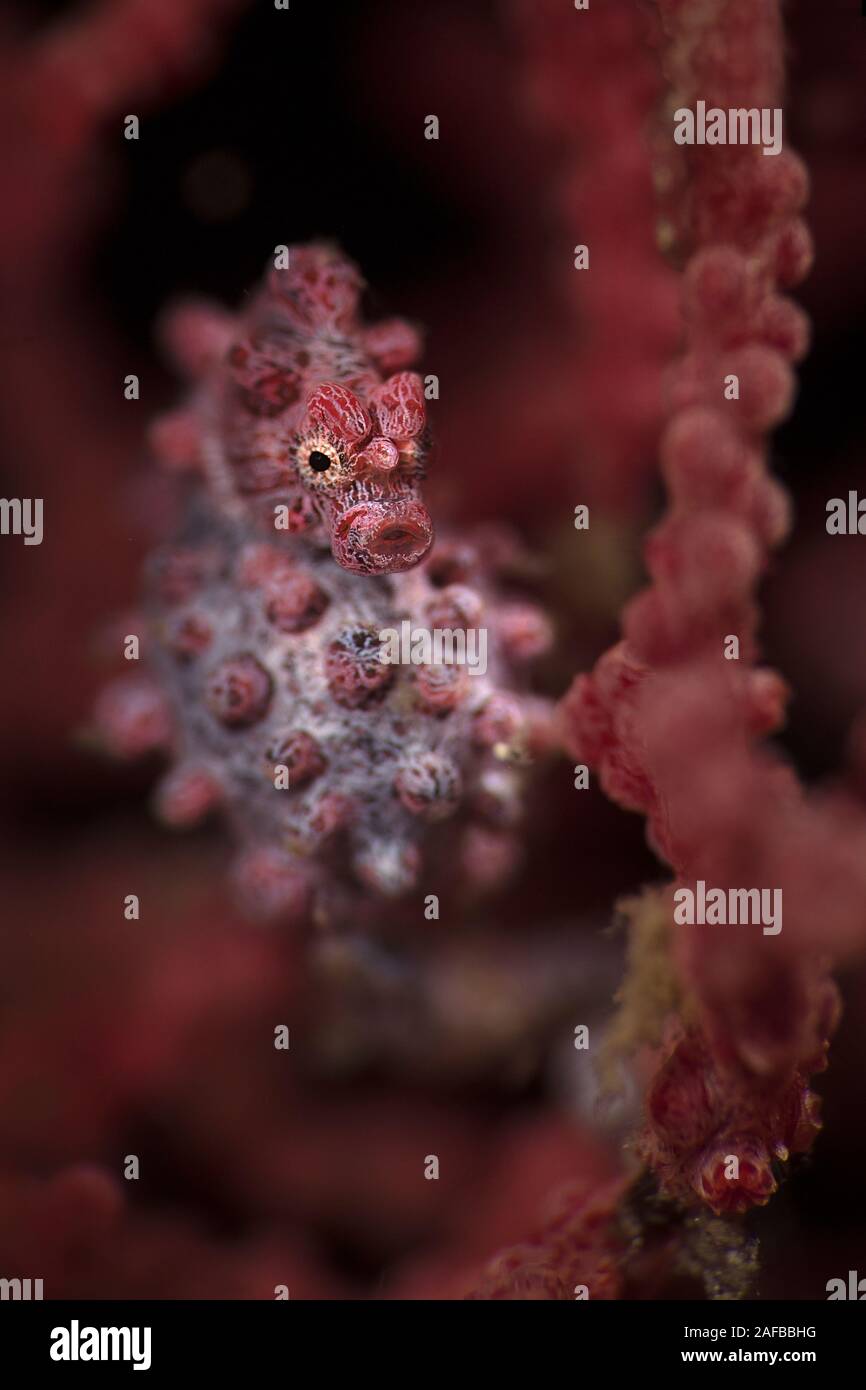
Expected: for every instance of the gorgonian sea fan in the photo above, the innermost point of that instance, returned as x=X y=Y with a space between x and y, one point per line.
x=305 y=439
x=602 y=194
x=672 y=726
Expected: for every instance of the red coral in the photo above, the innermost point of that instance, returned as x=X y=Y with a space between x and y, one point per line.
x=716 y=1133
x=576 y=1255
x=668 y=721
x=626 y=299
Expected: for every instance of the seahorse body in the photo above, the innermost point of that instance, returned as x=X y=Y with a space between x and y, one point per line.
x=264 y=673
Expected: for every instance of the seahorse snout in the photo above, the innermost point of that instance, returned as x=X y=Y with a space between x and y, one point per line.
x=381 y=537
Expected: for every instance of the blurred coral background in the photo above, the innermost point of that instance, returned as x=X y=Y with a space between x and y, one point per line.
x=454 y=1038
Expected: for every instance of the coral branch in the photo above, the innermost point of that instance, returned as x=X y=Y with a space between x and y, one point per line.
x=625 y=302
x=672 y=725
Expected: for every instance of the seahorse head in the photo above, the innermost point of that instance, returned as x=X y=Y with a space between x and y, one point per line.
x=313 y=404
x=362 y=461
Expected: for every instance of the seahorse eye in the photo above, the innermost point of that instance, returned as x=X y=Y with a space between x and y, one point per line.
x=321 y=463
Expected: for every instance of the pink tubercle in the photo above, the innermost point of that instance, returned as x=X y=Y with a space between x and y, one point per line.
x=238 y=691
x=132 y=717
x=429 y=787
x=186 y=795
x=271 y=884
x=294 y=601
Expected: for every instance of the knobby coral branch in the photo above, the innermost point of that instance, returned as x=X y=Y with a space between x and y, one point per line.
x=673 y=726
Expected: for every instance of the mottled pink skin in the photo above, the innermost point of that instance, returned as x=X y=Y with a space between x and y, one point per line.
x=294 y=410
